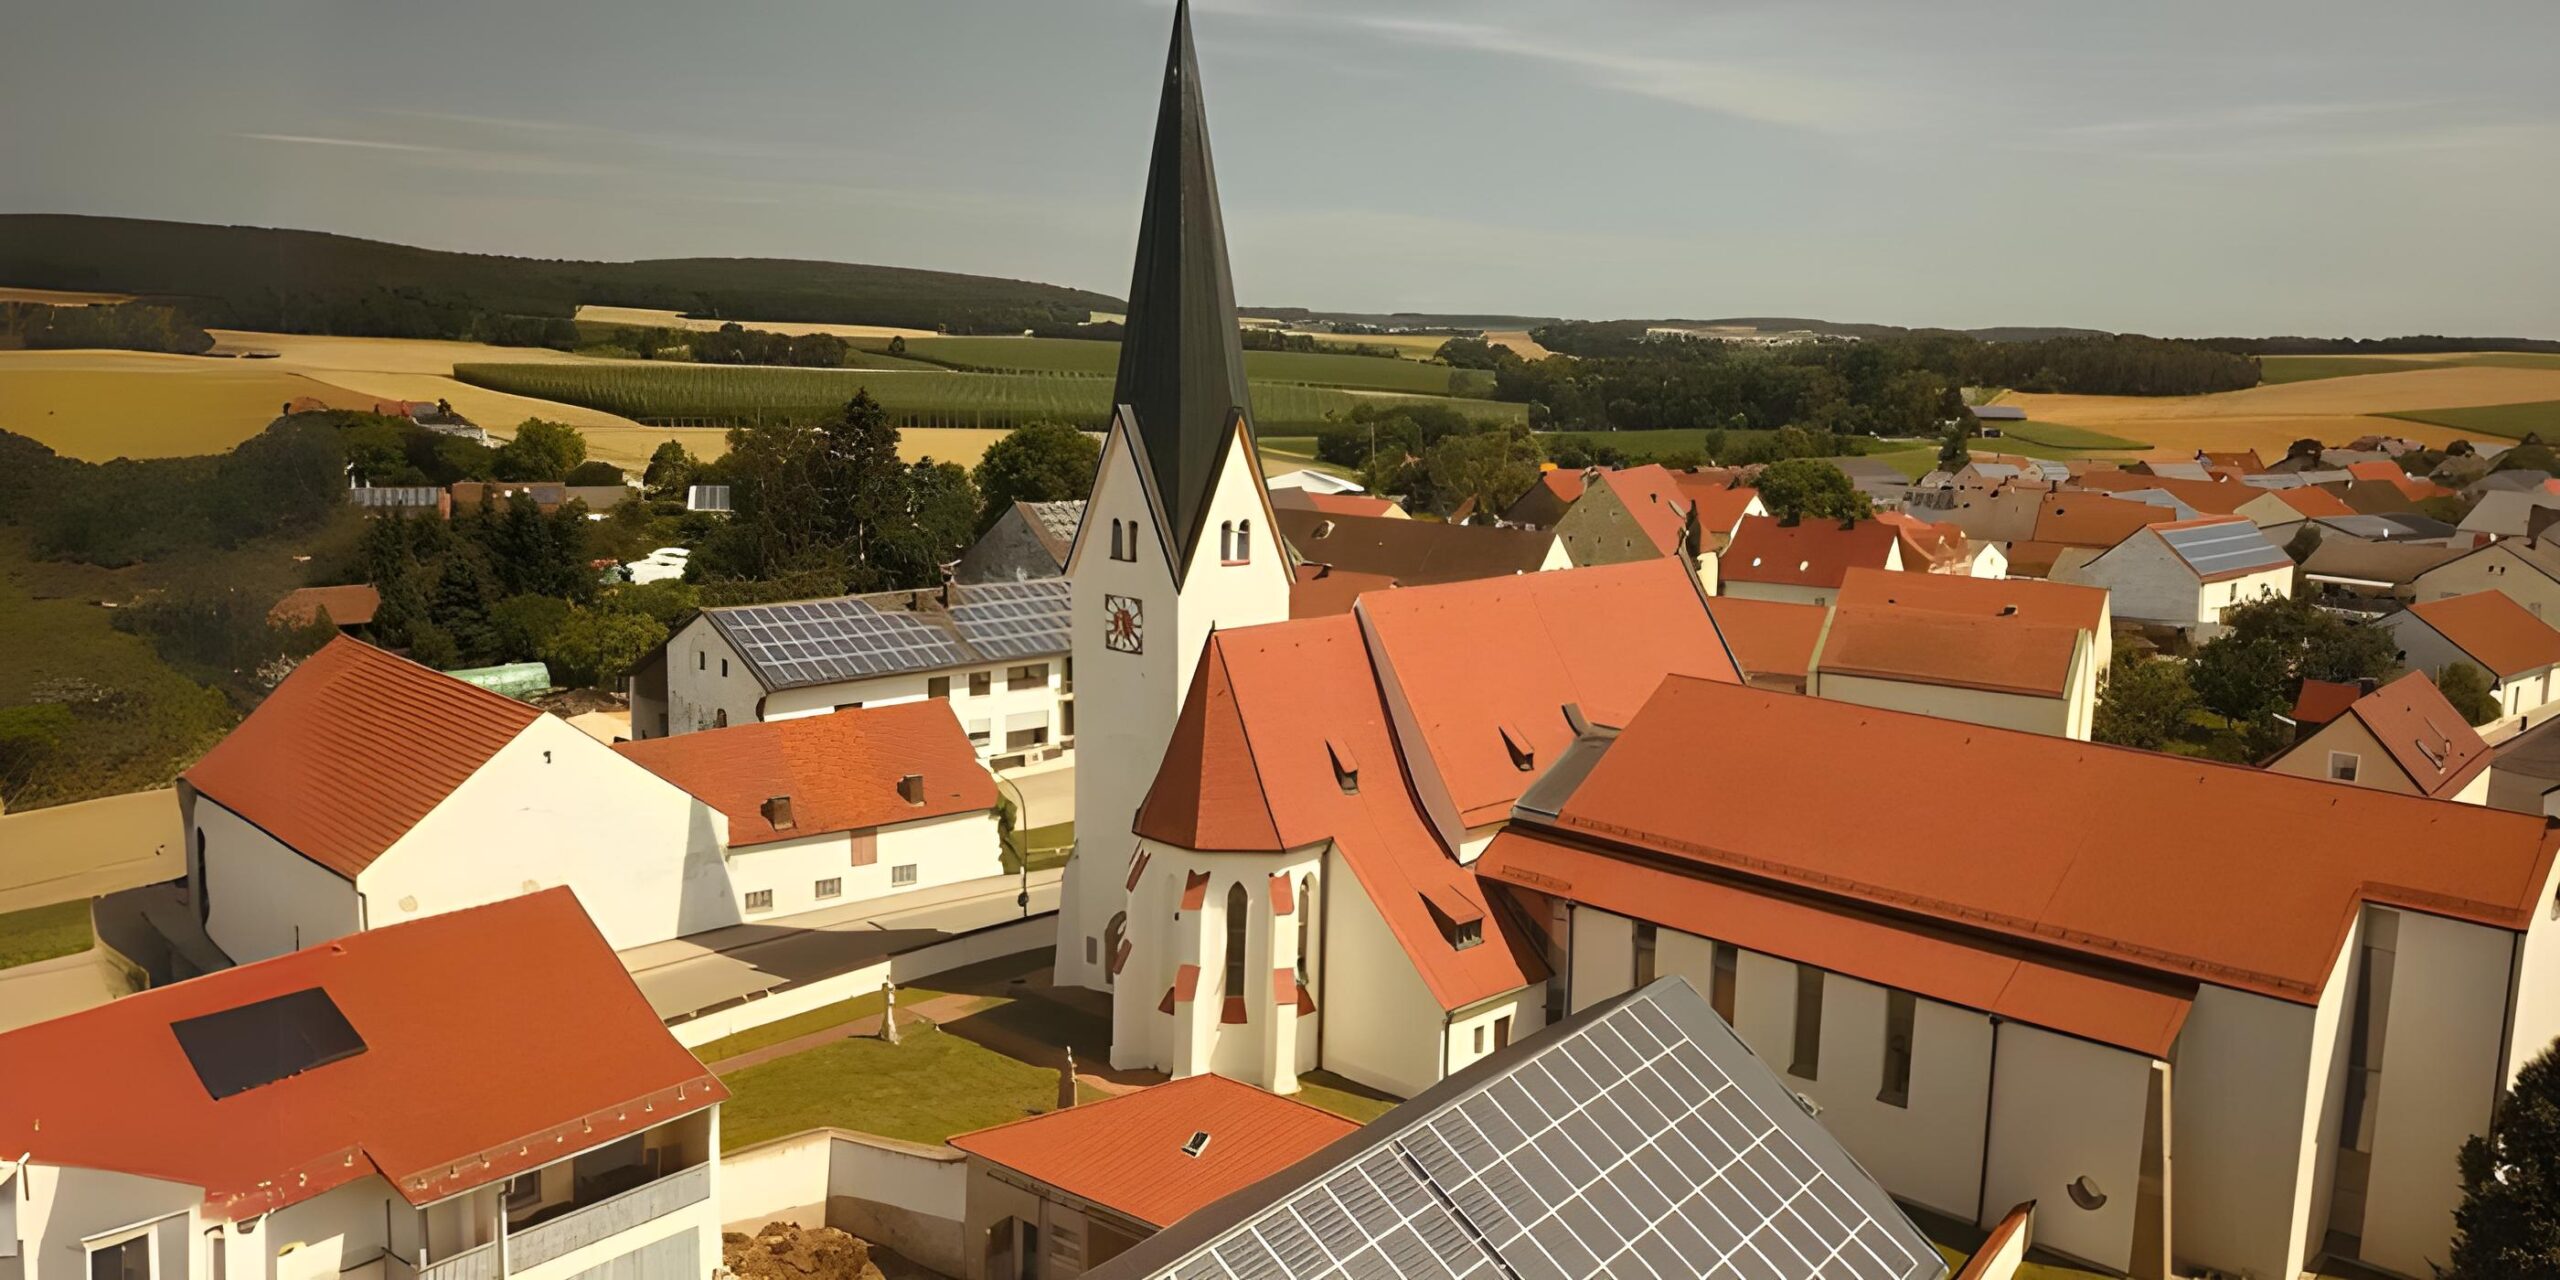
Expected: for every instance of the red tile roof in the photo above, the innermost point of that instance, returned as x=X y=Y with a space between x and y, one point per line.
x=1252 y=768
x=2256 y=891
x=2047 y=602
x=1474 y=658
x=2491 y=627
x=1654 y=500
x=470 y=1072
x=2376 y=471
x=2439 y=750
x=2312 y=503
x=1926 y=547
x=1771 y=638
x=1337 y=504
x=2246 y=463
x=1566 y=483
x=1125 y=1153
x=351 y=606
x=1321 y=591
x=2322 y=701
x=2093 y=519
x=353 y=749
x=1998 y=655
x=840 y=770
x=1721 y=503
x=1814 y=553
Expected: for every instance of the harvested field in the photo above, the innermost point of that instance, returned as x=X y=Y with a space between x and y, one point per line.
x=646 y=318
x=1521 y=344
x=100 y=405
x=1102 y=360
x=2453 y=387
x=59 y=297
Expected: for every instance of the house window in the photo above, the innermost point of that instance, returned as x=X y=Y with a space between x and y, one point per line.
x=724 y=668
x=1235 y=940
x=1227 y=541
x=1502 y=1033
x=701 y=660
x=1479 y=1037
x=980 y=734
x=759 y=899
x=524 y=1191
x=124 y=1260
x=831 y=888
x=1114 y=936
x=1807 y=1063
x=1235 y=541
x=981 y=683
x=1034 y=676
x=1067 y=720
x=1124 y=540
x=902 y=875
x=1465 y=934
x=1115 y=540
x=1024 y=739
x=2343 y=766
x=1647 y=940
x=1900 y=1009
x=720 y=718
x=938 y=687
x=1306 y=908
x=1728 y=971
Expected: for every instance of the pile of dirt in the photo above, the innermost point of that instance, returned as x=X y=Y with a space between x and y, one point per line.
x=788 y=1251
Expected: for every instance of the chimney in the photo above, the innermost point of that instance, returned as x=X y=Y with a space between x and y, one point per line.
x=777 y=813
x=911 y=788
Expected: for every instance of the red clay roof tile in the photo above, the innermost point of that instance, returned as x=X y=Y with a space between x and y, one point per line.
x=2430 y=741
x=2000 y=655
x=840 y=770
x=1814 y=553
x=2492 y=627
x=1771 y=638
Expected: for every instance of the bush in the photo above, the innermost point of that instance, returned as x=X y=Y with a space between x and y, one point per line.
x=596 y=648
x=2467 y=688
x=523 y=625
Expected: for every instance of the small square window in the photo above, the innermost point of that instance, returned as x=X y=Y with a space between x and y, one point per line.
x=938 y=687
x=1479 y=1039
x=2343 y=766
x=524 y=1191
x=980 y=735
x=902 y=875
x=981 y=683
x=759 y=899
x=833 y=888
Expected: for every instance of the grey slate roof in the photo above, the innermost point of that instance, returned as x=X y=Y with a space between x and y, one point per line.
x=1055 y=523
x=811 y=642
x=1181 y=360
x=2506 y=513
x=1639 y=1137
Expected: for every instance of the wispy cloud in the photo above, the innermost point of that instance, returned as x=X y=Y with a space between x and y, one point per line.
x=316 y=140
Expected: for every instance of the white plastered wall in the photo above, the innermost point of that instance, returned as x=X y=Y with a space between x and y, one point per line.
x=2239 y=1095
x=59 y=1207
x=2026 y=712
x=2440 y=1077
x=266 y=899
x=1382 y=1026
x=700 y=687
x=2064 y=1109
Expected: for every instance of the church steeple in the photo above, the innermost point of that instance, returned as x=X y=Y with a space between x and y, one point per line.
x=1181 y=363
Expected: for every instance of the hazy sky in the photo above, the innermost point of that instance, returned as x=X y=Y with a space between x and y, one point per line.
x=2173 y=166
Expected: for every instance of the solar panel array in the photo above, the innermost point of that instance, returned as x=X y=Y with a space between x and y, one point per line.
x=1015 y=619
x=2231 y=547
x=823 y=641
x=1624 y=1149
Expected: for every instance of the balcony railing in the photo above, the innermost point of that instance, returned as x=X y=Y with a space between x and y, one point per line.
x=579 y=1228
x=470 y=1264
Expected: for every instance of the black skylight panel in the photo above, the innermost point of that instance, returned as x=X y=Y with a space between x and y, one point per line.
x=241 y=1049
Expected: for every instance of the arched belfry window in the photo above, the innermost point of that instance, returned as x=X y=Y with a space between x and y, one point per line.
x=1236 y=913
x=1227 y=540
x=1118 y=548
x=1306 y=905
x=1244 y=542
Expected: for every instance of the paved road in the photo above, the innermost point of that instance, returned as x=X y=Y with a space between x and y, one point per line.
x=712 y=968
x=66 y=852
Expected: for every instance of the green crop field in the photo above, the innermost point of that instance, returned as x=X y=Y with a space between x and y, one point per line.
x=2054 y=435
x=2510 y=421
x=728 y=395
x=2276 y=369
x=1648 y=446
x=1102 y=360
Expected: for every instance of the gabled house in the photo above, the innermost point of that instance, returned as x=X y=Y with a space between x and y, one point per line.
x=2006 y=670
x=2094 y=521
x=2403 y=738
x=1545 y=502
x=1944 y=548
x=1803 y=563
x=826 y=810
x=1417 y=553
x=2525 y=570
x=368 y=790
x=1336 y=504
x=2507 y=513
x=2489 y=630
x=1772 y=641
x=2291 y=506
x=2350 y=572
x=1029 y=541
x=2187 y=574
x=421 y=1100
x=1645 y=512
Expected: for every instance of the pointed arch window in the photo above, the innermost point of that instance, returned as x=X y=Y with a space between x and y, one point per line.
x=1236 y=916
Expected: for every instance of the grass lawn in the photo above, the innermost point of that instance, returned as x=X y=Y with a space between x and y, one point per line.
x=801 y=1024
x=2511 y=421
x=1350 y=1101
x=1048 y=847
x=928 y=1087
x=43 y=933
x=2056 y=435
x=2281 y=369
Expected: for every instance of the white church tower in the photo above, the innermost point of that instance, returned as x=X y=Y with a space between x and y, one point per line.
x=1178 y=538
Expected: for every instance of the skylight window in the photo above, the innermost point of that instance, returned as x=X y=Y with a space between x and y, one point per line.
x=1199 y=1142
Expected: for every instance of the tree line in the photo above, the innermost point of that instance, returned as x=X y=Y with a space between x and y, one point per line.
x=121 y=326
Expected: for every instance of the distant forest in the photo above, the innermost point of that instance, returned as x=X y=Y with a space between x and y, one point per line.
x=2424 y=343
x=313 y=282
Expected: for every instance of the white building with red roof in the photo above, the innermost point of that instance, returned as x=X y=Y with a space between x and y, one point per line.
x=402 y=1104
x=1804 y=562
x=2187 y=573
x=2404 y=738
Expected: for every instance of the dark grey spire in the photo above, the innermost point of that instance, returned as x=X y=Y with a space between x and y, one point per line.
x=1181 y=363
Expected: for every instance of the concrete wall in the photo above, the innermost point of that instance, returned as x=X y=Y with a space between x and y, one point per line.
x=1013 y=937
x=2065 y=1109
x=556 y=807
x=1598 y=529
x=705 y=679
x=1602 y=957
x=1784 y=593
x=1526 y=1008
x=1008 y=552
x=2238 y=1098
x=2149 y=583
x=2534 y=1002
x=265 y=898
x=57 y=1208
x=2346 y=735
x=909 y=1197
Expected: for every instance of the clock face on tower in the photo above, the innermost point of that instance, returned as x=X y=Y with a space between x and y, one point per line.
x=1124 y=624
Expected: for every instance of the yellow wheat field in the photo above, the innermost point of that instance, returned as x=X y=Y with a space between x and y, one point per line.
x=672 y=320
x=100 y=405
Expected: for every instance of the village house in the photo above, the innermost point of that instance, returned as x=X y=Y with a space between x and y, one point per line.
x=2508 y=513
x=400 y=500
x=1804 y=563
x=1030 y=540
x=2525 y=570
x=349 y=608
x=368 y=790
x=479 y=1094
x=1415 y=553
x=2187 y=574
x=1944 y=549
x=2370 y=577
x=2488 y=630
x=2022 y=654
x=2005 y=514
x=2403 y=738
x=1546 y=501
x=1309 y=480
x=997 y=652
x=2271 y=507
x=1067 y=1191
x=822 y=811
x=1772 y=641
x=1336 y=504
x=1642 y=512
x=2147 y=1036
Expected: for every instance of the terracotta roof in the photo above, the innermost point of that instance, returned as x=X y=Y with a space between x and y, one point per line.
x=469 y=1073
x=1999 y=655
x=2312 y=503
x=1320 y=590
x=1414 y=552
x=1332 y=504
x=2322 y=701
x=2257 y=890
x=353 y=749
x=1655 y=500
x=1252 y=768
x=2430 y=741
x=351 y=606
x=1771 y=637
x=1126 y=1153
x=1721 y=503
x=2046 y=602
x=2034 y=560
x=1474 y=659
x=2493 y=628
x=1565 y=483
x=2247 y=463
x=2375 y=470
x=1814 y=553
x=2094 y=519
x=839 y=771
x=2208 y=497
x=1926 y=547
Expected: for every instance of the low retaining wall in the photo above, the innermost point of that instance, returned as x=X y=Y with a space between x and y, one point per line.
x=1013 y=937
x=908 y=1197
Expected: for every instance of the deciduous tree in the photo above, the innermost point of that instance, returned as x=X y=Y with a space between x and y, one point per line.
x=2467 y=688
x=2508 y=1224
x=2145 y=703
x=541 y=451
x=1041 y=462
x=1800 y=487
